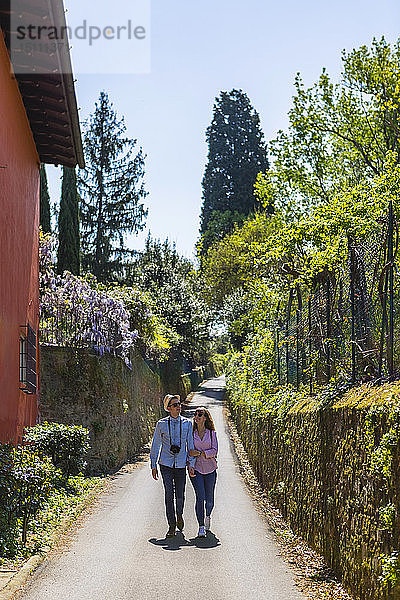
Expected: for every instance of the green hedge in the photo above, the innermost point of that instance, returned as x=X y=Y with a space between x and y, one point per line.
x=26 y=482
x=190 y=382
x=31 y=474
x=66 y=445
x=331 y=463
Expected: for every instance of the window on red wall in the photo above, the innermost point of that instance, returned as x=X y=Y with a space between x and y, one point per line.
x=27 y=360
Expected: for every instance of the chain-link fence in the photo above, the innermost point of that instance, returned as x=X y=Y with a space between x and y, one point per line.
x=343 y=326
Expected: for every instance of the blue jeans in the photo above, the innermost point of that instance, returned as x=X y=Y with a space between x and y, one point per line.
x=204 y=486
x=174 y=481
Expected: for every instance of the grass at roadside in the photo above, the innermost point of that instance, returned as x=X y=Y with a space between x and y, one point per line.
x=64 y=504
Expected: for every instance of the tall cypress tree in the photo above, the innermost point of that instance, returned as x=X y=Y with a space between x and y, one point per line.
x=236 y=154
x=44 y=201
x=68 y=255
x=111 y=189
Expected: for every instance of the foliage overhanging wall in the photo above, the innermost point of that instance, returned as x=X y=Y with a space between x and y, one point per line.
x=119 y=406
x=334 y=472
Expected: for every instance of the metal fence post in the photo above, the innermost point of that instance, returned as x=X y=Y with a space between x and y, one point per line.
x=287 y=349
x=384 y=313
x=353 y=315
x=278 y=356
x=328 y=328
x=297 y=349
x=310 y=342
x=298 y=318
x=391 y=307
x=278 y=341
x=289 y=310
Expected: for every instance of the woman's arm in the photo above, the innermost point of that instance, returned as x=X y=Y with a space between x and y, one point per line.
x=213 y=451
x=194 y=453
x=190 y=446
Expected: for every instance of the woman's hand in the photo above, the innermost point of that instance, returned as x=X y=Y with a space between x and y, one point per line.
x=191 y=472
x=197 y=453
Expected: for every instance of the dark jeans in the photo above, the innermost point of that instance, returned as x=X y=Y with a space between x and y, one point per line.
x=204 y=486
x=174 y=481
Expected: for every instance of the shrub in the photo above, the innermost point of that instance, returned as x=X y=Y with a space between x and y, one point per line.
x=66 y=445
x=116 y=316
x=26 y=481
x=6 y=498
x=218 y=363
x=33 y=479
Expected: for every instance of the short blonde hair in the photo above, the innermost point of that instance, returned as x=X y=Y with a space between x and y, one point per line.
x=168 y=398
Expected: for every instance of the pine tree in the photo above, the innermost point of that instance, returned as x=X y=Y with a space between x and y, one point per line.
x=68 y=255
x=111 y=188
x=236 y=155
x=44 y=201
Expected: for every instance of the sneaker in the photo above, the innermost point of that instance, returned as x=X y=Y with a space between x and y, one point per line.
x=207 y=523
x=171 y=531
x=179 y=523
x=202 y=531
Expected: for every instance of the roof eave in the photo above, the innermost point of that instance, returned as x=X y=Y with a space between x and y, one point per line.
x=69 y=85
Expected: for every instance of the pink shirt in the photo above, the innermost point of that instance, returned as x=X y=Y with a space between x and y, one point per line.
x=210 y=449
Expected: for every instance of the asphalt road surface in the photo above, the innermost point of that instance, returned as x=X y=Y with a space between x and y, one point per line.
x=120 y=551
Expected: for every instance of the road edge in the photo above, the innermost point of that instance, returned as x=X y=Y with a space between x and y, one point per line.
x=16 y=583
x=14 y=586
x=312 y=576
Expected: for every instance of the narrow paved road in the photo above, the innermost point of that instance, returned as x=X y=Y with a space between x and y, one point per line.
x=120 y=552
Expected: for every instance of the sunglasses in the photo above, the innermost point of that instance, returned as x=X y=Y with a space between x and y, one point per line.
x=199 y=413
x=175 y=404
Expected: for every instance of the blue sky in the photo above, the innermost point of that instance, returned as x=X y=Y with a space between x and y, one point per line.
x=200 y=48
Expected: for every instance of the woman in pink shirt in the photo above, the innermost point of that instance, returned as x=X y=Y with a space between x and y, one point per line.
x=205 y=468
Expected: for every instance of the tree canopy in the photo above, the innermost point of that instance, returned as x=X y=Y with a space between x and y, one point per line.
x=236 y=154
x=68 y=254
x=44 y=201
x=177 y=292
x=339 y=133
x=112 y=191
x=333 y=174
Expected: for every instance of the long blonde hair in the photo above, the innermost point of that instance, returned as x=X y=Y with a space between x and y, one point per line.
x=209 y=424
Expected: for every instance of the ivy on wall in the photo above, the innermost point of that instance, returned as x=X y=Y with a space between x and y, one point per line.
x=331 y=463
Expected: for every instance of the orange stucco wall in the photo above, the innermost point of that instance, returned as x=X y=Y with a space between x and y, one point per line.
x=19 y=241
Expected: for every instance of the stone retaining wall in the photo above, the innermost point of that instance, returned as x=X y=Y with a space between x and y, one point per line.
x=119 y=406
x=335 y=475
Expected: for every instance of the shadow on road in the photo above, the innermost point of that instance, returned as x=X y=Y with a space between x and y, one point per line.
x=179 y=541
x=210 y=400
x=211 y=541
x=215 y=393
x=175 y=543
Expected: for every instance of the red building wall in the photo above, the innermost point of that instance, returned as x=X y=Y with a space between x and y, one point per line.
x=19 y=249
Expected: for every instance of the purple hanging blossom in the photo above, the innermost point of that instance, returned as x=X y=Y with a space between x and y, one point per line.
x=78 y=311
